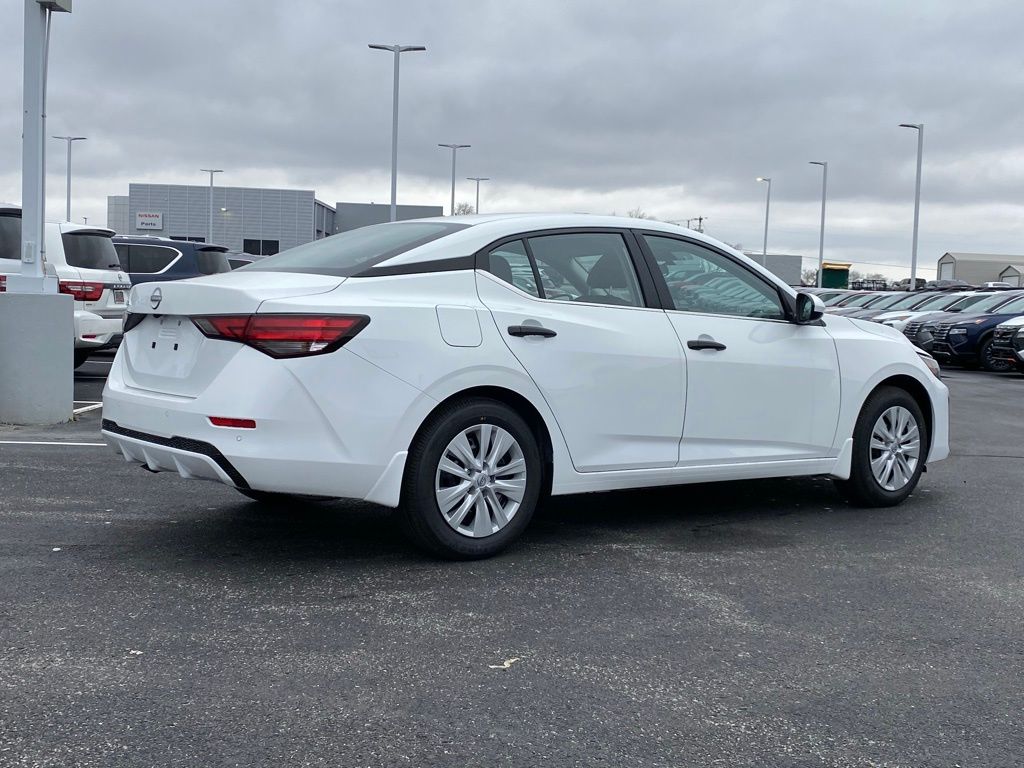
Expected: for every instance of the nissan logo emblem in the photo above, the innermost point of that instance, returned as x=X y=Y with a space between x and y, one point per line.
x=155 y=298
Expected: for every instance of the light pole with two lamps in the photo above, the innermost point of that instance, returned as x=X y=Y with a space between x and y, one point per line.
x=454 y=148
x=821 y=236
x=478 y=179
x=69 y=140
x=767 y=208
x=919 y=127
x=211 y=171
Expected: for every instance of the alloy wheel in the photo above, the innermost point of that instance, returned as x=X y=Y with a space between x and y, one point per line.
x=480 y=480
x=895 y=448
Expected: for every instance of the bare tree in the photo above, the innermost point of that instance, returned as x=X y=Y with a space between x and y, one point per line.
x=463 y=208
x=809 y=277
x=638 y=213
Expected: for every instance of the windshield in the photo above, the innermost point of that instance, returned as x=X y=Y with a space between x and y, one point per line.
x=10 y=237
x=993 y=301
x=915 y=299
x=835 y=300
x=348 y=253
x=859 y=301
x=889 y=301
x=89 y=250
x=1017 y=305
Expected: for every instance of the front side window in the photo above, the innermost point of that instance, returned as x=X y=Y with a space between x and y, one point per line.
x=348 y=253
x=588 y=267
x=509 y=262
x=89 y=251
x=700 y=280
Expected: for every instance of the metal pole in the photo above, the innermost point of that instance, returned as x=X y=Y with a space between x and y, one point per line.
x=917 y=209
x=767 y=208
x=211 y=171
x=478 y=179
x=394 y=142
x=821 y=237
x=67 y=184
x=33 y=127
x=453 y=182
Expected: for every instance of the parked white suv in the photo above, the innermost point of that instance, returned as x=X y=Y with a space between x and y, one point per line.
x=85 y=263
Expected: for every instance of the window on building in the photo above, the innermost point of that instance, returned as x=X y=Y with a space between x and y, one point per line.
x=189 y=239
x=261 y=247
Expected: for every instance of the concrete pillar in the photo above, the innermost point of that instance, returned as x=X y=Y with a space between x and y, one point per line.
x=36 y=358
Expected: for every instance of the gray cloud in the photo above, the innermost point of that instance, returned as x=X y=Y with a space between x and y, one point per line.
x=553 y=96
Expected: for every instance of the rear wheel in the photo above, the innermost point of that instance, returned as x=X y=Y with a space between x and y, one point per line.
x=472 y=480
x=81 y=356
x=993 y=364
x=890 y=443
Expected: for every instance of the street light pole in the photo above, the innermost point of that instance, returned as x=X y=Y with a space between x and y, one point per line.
x=477 y=179
x=211 y=171
x=69 y=140
x=398 y=50
x=767 y=208
x=454 y=148
x=917 y=200
x=821 y=237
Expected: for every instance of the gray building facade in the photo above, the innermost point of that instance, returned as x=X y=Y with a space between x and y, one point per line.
x=259 y=221
x=976 y=268
x=354 y=215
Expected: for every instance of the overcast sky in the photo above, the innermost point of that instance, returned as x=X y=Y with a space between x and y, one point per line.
x=602 y=107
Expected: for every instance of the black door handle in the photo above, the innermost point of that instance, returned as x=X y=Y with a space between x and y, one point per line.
x=530 y=330
x=717 y=346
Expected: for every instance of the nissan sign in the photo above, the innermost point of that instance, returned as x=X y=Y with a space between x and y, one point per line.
x=149 y=220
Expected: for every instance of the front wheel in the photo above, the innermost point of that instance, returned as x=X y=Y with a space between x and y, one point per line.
x=472 y=480
x=993 y=364
x=890 y=445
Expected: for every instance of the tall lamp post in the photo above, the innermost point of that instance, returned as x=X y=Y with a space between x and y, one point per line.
x=211 y=171
x=398 y=50
x=454 y=148
x=69 y=140
x=478 y=179
x=821 y=237
x=767 y=208
x=917 y=200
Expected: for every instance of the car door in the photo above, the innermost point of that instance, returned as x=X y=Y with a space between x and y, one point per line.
x=571 y=307
x=759 y=388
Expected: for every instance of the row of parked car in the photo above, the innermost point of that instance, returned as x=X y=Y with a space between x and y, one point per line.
x=97 y=269
x=972 y=327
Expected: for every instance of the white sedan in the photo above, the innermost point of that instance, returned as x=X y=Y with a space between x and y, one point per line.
x=463 y=368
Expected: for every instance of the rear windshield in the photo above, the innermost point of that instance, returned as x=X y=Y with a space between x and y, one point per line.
x=10 y=237
x=348 y=253
x=212 y=260
x=89 y=251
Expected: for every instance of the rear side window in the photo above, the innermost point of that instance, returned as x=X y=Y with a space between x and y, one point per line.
x=589 y=267
x=145 y=259
x=348 y=253
x=211 y=261
x=510 y=263
x=89 y=251
x=10 y=237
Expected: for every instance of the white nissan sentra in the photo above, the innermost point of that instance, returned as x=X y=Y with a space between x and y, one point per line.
x=464 y=368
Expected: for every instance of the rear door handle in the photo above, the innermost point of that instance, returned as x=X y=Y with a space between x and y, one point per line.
x=717 y=346
x=531 y=330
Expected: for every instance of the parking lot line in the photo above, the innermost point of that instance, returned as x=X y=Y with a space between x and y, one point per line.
x=51 y=442
x=87 y=408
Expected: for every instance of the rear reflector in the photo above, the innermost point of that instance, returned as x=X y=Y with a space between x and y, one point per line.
x=284 y=335
x=224 y=421
x=3 y=283
x=81 y=291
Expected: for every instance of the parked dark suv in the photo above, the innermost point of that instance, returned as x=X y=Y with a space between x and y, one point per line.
x=968 y=340
x=148 y=259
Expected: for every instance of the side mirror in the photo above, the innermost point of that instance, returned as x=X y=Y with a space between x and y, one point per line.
x=808 y=308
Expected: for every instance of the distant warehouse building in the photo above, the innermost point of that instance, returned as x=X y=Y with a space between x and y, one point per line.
x=260 y=221
x=785 y=266
x=354 y=215
x=976 y=268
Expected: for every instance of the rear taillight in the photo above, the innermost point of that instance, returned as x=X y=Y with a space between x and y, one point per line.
x=3 y=283
x=81 y=291
x=284 y=335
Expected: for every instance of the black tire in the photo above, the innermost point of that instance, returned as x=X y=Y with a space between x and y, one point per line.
x=81 y=356
x=424 y=522
x=281 y=499
x=862 y=489
x=993 y=365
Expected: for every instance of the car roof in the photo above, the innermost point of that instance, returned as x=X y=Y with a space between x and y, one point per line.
x=481 y=230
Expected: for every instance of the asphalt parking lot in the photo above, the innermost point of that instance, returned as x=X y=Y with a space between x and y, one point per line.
x=146 y=620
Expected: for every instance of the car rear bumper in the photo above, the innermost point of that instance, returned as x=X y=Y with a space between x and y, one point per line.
x=95 y=332
x=332 y=425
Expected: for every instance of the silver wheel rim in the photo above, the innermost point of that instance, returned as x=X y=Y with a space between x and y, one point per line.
x=895 y=448
x=480 y=480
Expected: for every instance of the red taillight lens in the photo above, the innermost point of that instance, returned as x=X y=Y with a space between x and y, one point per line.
x=227 y=421
x=3 y=283
x=81 y=291
x=284 y=335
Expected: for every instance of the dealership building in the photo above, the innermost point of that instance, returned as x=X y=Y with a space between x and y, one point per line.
x=258 y=221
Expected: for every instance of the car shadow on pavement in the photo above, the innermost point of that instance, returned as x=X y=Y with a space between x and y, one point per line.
x=706 y=517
